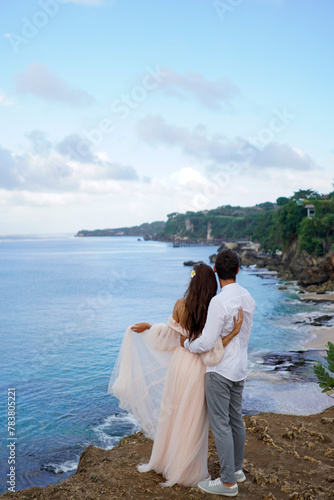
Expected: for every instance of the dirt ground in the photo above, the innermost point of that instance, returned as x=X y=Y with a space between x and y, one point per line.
x=286 y=457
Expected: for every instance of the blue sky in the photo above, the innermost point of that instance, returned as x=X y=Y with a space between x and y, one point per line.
x=118 y=112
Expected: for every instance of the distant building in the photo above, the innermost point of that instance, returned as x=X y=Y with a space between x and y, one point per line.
x=310 y=210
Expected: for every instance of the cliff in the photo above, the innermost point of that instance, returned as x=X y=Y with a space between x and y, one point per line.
x=225 y=222
x=286 y=457
x=145 y=229
x=316 y=274
x=307 y=216
x=309 y=270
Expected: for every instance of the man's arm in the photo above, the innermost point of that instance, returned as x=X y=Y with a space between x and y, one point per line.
x=211 y=331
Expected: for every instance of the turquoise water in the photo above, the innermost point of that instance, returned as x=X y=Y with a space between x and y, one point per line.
x=65 y=304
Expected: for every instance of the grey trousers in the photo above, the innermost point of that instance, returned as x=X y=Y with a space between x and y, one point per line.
x=224 y=401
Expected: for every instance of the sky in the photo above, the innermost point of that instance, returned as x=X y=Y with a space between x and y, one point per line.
x=119 y=112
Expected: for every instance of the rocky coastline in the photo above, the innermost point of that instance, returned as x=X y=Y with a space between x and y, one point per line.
x=313 y=274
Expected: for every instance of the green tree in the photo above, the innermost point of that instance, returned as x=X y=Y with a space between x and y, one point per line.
x=325 y=381
x=311 y=237
x=282 y=200
x=305 y=194
x=288 y=220
x=317 y=234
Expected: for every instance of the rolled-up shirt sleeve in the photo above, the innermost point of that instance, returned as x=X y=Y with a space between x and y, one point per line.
x=212 y=330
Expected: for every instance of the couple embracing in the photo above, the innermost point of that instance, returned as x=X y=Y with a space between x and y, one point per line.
x=179 y=377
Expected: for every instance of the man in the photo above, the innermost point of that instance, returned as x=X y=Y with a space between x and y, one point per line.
x=224 y=382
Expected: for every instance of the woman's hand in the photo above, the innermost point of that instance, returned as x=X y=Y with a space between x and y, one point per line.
x=237 y=326
x=182 y=340
x=238 y=321
x=140 y=327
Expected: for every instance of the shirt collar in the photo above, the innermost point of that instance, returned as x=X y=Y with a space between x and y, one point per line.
x=226 y=286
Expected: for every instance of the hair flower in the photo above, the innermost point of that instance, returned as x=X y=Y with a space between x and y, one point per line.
x=193 y=273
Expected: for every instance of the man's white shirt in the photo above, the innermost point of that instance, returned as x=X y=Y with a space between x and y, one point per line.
x=219 y=323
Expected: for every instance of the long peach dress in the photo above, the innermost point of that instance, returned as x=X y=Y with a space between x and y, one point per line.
x=162 y=385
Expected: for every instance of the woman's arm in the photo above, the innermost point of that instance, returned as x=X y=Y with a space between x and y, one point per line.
x=226 y=340
x=178 y=310
x=140 y=327
x=237 y=326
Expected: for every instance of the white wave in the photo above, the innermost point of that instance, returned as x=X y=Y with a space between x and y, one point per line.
x=69 y=465
x=290 y=300
x=328 y=305
x=261 y=270
x=105 y=430
x=302 y=321
x=120 y=418
x=284 y=397
x=271 y=375
x=302 y=399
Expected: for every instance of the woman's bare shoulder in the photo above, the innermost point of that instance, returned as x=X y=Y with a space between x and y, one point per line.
x=178 y=309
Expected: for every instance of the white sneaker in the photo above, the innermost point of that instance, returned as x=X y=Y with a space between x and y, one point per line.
x=240 y=476
x=206 y=480
x=216 y=487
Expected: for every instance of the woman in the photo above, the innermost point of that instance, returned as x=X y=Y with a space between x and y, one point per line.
x=162 y=384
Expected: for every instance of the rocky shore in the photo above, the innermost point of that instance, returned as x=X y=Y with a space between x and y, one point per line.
x=287 y=457
x=314 y=274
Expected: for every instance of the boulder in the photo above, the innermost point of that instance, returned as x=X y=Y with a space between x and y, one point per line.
x=192 y=262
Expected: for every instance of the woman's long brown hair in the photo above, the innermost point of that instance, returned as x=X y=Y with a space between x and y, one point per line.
x=201 y=289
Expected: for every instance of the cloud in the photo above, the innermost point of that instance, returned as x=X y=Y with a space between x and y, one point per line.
x=38 y=81
x=213 y=95
x=187 y=176
x=8 y=170
x=77 y=148
x=120 y=172
x=39 y=143
x=74 y=147
x=27 y=172
x=275 y=155
x=220 y=150
x=48 y=167
x=196 y=142
x=4 y=100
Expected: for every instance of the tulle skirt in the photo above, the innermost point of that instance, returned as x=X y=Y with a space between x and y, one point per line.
x=181 y=441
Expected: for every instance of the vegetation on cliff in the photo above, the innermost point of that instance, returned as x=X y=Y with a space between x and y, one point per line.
x=317 y=234
x=273 y=225
x=149 y=229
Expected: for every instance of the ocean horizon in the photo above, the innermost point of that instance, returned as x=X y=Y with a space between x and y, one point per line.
x=65 y=305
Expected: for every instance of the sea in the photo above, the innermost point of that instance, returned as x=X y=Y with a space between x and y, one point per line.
x=65 y=303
